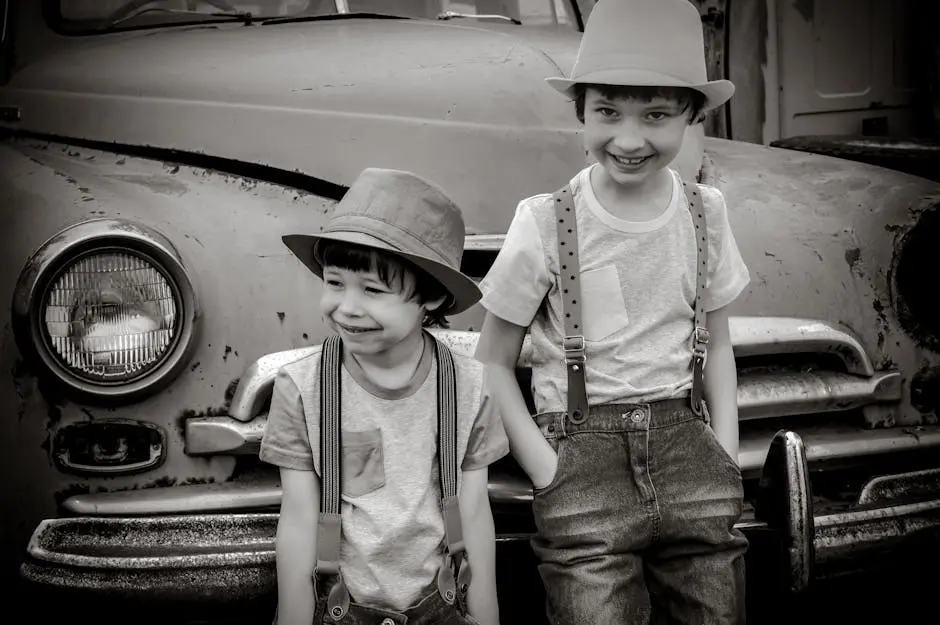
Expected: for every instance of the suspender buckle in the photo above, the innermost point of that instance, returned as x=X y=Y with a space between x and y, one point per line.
x=574 y=349
x=700 y=339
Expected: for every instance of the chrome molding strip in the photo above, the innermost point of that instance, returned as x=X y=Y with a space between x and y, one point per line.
x=823 y=445
x=761 y=336
x=760 y=396
x=751 y=336
x=484 y=242
x=186 y=499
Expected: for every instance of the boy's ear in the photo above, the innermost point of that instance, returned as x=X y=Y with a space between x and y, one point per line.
x=433 y=304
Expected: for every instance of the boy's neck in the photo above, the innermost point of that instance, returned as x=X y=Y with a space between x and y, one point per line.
x=643 y=201
x=393 y=369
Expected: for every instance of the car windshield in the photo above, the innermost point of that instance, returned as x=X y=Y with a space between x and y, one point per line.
x=97 y=15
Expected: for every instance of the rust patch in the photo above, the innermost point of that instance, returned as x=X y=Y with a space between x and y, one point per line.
x=925 y=390
x=164 y=481
x=210 y=411
x=852 y=256
x=280 y=316
x=228 y=350
x=194 y=366
x=156 y=184
x=230 y=393
x=24 y=392
x=915 y=252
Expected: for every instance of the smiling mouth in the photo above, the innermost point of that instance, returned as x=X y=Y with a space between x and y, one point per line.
x=353 y=330
x=630 y=162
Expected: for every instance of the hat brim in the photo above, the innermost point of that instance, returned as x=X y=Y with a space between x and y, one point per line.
x=464 y=291
x=716 y=92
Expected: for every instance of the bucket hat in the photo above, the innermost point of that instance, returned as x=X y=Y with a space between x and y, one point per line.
x=655 y=43
x=402 y=213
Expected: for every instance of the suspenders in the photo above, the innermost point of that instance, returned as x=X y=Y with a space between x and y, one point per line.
x=454 y=577
x=570 y=269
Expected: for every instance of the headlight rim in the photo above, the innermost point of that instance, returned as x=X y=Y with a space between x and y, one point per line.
x=55 y=256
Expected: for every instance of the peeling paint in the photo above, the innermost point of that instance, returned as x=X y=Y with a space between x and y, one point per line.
x=915 y=253
x=230 y=392
x=852 y=257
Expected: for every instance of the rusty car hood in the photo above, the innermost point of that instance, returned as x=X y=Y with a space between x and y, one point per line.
x=325 y=98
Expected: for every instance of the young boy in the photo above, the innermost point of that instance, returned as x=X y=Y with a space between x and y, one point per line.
x=636 y=492
x=389 y=260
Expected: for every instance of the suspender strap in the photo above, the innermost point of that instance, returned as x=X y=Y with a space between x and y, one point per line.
x=700 y=334
x=456 y=574
x=331 y=444
x=453 y=578
x=329 y=529
x=570 y=270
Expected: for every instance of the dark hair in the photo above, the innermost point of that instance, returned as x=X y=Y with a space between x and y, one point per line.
x=691 y=100
x=413 y=283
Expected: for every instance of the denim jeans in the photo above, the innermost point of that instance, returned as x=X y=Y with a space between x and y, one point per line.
x=637 y=525
x=431 y=610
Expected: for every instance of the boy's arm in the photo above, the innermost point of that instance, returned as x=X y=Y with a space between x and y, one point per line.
x=721 y=382
x=480 y=539
x=498 y=349
x=296 y=546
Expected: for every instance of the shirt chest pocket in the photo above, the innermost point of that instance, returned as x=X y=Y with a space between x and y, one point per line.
x=363 y=462
x=603 y=308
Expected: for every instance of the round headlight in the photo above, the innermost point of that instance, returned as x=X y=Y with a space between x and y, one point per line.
x=110 y=316
x=107 y=308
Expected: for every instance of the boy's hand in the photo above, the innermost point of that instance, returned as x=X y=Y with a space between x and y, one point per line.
x=547 y=475
x=498 y=349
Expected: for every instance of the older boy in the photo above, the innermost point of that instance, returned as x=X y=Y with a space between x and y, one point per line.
x=623 y=286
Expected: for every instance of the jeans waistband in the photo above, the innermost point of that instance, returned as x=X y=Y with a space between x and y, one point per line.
x=620 y=418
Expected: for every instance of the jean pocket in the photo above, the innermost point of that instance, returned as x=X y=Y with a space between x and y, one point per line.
x=363 y=462
x=718 y=450
x=559 y=446
x=603 y=307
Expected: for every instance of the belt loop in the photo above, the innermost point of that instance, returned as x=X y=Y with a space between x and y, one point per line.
x=561 y=420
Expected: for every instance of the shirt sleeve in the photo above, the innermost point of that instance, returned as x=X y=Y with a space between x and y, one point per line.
x=727 y=274
x=285 y=442
x=516 y=284
x=488 y=442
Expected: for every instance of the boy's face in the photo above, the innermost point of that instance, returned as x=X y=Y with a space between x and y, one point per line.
x=372 y=317
x=632 y=139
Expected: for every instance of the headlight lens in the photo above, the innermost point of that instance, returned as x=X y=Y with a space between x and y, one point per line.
x=111 y=316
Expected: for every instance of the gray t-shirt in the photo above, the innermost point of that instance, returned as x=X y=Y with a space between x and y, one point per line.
x=392 y=543
x=637 y=293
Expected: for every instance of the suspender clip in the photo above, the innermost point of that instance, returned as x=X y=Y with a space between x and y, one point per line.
x=574 y=349
x=700 y=339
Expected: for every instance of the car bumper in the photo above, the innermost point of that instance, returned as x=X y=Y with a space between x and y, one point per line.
x=191 y=546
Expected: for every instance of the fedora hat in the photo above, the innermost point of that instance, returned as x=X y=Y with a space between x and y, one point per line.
x=653 y=43
x=404 y=214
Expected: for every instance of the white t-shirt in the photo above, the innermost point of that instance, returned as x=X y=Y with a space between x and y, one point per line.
x=637 y=293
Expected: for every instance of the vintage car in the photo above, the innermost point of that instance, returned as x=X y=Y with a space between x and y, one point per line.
x=153 y=154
